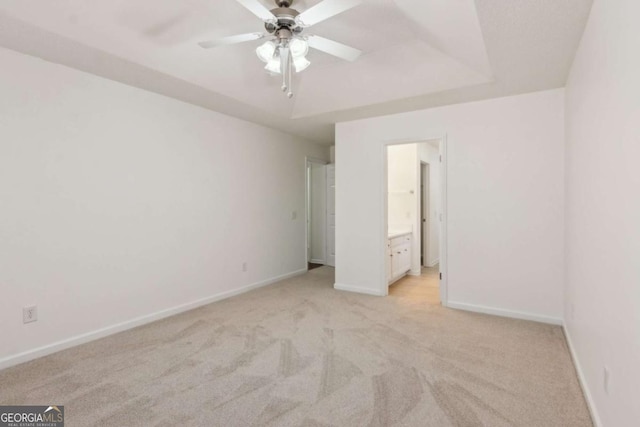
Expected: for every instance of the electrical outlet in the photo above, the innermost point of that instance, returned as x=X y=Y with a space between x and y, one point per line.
x=29 y=314
x=606 y=379
x=244 y=266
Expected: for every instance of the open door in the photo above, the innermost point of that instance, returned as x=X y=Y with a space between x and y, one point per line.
x=316 y=211
x=331 y=215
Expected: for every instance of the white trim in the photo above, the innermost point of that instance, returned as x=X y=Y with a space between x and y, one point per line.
x=434 y=263
x=394 y=280
x=138 y=321
x=415 y=272
x=505 y=313
x=424 y=216
x=595 y=418
x=316 y=261
x=357 y=289
x=444 y=233
x=384 y=231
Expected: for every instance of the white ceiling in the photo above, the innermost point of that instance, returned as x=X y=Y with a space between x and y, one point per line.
x=417 y=53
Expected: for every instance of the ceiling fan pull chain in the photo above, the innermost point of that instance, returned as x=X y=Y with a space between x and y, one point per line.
x=289 y=73
x=284 y=61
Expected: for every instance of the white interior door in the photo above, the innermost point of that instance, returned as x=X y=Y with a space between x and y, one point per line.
x=317 y=214
x=331 y=215
x=308 y=208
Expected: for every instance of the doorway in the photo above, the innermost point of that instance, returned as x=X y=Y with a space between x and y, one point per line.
x=413 y=214
x=316 y=206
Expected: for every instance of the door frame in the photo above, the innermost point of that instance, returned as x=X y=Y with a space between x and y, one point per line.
x=307 y=206
x=425 y=209
x=444 y=281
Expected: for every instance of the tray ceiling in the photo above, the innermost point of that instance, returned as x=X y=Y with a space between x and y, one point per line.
x=413 y=50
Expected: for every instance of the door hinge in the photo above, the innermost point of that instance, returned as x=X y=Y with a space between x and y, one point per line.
x=440 y=276
x=440 y=159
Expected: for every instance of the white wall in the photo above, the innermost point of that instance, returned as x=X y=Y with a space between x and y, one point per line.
x=603 y=210
x=318 y=207
x=505 y=201
x=118 y=203
x=429 y=153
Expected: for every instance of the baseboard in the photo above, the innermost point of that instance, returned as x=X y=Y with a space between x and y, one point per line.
x=317 y=261
x=138 y=321
x=504 y=313
x=583 y=383
x=357 y=289
x=434 y=263
x=395 y=279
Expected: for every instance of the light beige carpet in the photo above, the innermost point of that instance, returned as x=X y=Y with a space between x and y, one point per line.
x=299 y=353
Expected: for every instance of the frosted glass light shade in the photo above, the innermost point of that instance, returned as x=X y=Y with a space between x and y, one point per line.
x=301 y=63
x=273 y=66
x=265 y=51
x=299 y=47
x=271 y=54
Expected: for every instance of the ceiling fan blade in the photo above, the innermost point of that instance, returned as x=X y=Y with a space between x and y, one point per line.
x=325 y=10
x=334 y=48
x=255 y=7
x=240 y=38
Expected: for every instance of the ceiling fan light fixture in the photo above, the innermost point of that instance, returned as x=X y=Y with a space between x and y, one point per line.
x=285 y=53
x=266 y=51
x=301 y=63
x=273 y=66
x=299 y=47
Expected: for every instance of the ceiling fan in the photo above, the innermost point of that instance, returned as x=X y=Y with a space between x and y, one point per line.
x=287 y=47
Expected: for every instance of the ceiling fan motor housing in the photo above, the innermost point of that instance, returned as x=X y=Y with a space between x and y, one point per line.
x=285 y=18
